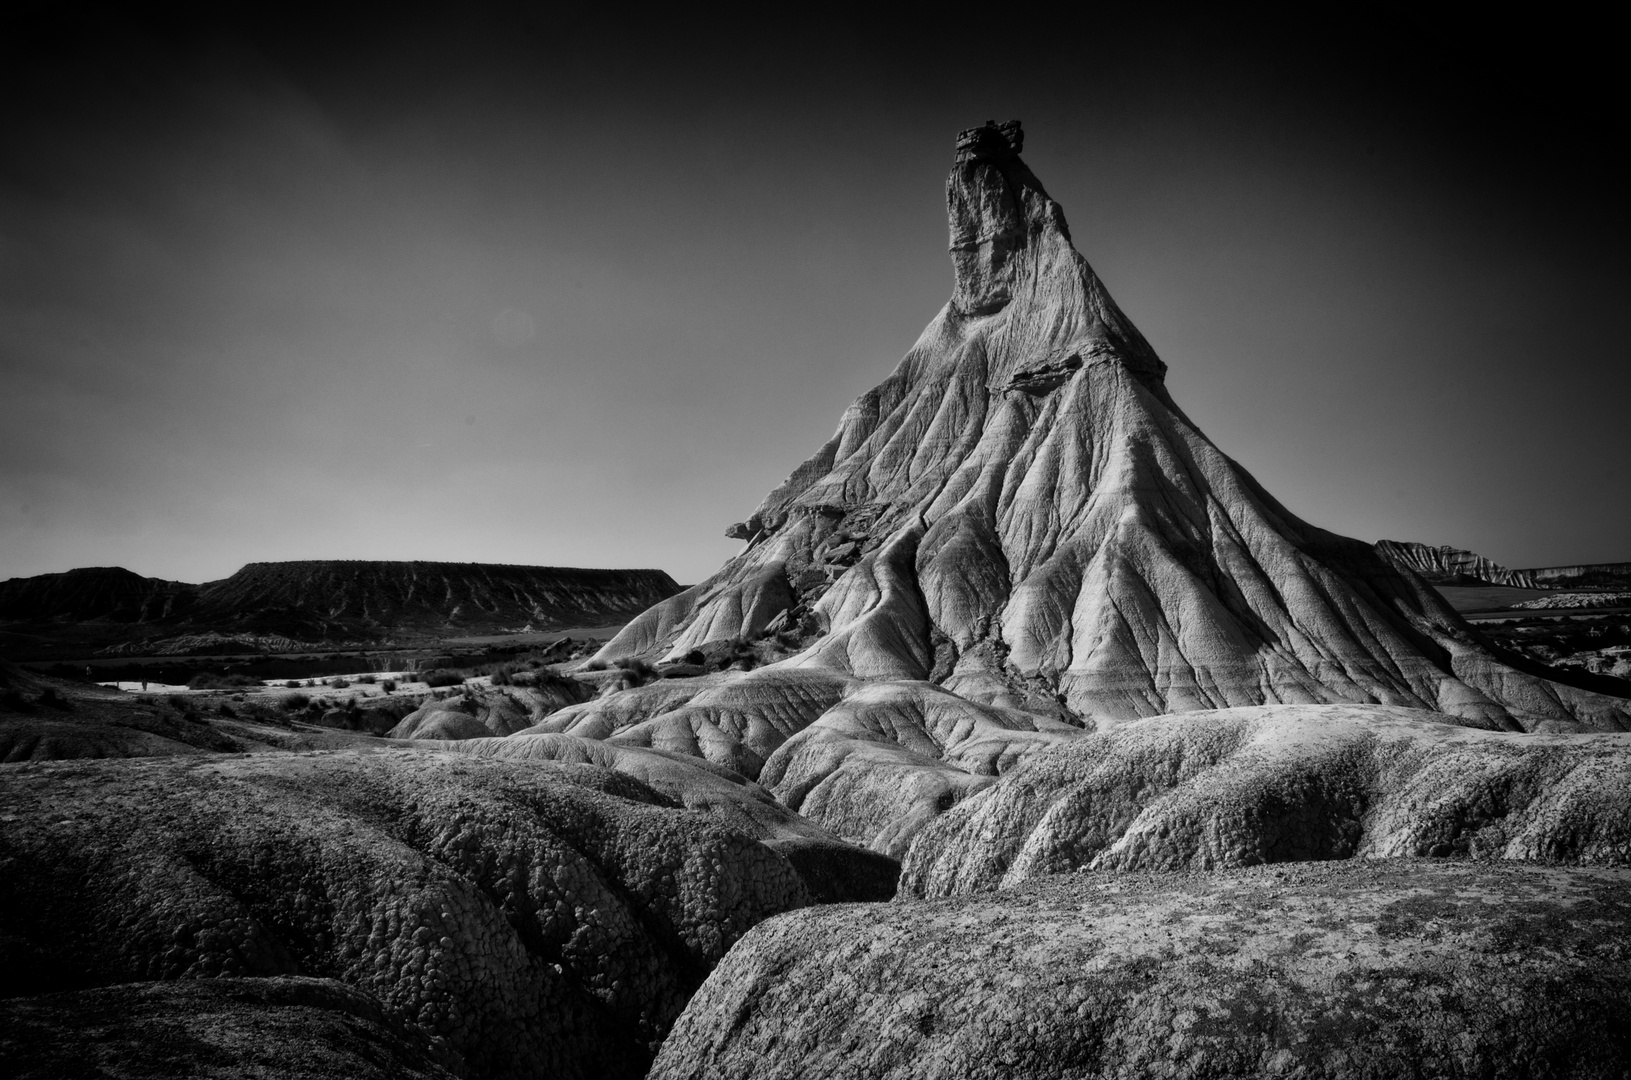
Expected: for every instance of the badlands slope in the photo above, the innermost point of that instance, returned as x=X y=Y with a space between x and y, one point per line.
x=1022 y=514
x=1019 y=539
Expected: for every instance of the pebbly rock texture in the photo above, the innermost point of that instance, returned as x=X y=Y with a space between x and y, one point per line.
x=1451 y=566
x=298 y=1028
x=1021 y=513
x=1279 y=784
x=1321 y=971
x=535 y=919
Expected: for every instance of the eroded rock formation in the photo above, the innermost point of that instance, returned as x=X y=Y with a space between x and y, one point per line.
x=1284 y=783
x=832 y=870
x=1599 y=575
x=872 y=761
x=1027 y=627
x=1021 y=513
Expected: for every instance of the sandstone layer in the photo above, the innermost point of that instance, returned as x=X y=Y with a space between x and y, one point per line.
x=1447 y=565
x=1323 y=971
x=1600 y=575
x=1021 y=514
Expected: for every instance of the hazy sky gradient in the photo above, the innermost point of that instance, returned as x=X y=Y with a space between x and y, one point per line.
x=493 y=287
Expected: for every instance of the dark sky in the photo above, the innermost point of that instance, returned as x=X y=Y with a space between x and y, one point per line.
x=491 y=285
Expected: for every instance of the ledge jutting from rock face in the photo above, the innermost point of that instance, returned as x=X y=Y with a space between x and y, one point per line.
x=1021 y=512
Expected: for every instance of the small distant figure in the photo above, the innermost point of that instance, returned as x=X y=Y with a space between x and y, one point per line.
x=144 y=686
x=88 y=676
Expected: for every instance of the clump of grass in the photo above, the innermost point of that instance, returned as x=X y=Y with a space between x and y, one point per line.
x=389 y=686
x=443 y=677
x=509 y=675
x=366 y=680
x=295 y=702
x=292 y=684
x=637 y=672
x=337 y=683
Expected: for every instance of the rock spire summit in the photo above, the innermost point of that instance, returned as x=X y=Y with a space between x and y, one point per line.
x=1022 y=515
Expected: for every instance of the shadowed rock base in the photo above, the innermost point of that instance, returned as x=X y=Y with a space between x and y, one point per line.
x=1315 y=970
x=288 y=1028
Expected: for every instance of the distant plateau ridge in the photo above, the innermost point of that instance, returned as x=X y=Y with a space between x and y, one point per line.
x=323 y=599
x=1446 y=565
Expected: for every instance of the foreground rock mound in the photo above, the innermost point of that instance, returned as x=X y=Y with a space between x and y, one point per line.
x=301 y=1029
x=1283 y=783
x=870 y=760
x=1022 y=514
x=1329 y=971
x=535 y=919
x=833 y=871
x=471 y=715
